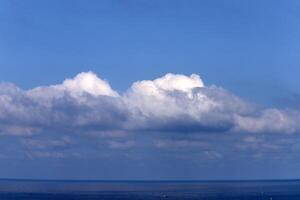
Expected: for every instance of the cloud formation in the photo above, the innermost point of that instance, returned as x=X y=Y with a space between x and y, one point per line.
x=176 y=103
x=172 y=104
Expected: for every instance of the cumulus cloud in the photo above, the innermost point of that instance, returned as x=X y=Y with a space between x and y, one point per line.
x=80 y=104
x=181 y=103
x=270 y=121
x=174 y=103
x=82 y=84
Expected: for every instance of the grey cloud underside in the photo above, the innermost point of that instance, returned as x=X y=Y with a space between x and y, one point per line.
x=21 y=112
x=146 y=106
x=84 y=116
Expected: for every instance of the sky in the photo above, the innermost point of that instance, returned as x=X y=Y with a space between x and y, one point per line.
x=149 y=90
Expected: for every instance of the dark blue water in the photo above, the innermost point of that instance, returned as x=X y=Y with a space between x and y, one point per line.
x=77 y=190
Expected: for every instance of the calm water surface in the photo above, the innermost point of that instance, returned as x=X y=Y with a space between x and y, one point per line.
x=77 y=190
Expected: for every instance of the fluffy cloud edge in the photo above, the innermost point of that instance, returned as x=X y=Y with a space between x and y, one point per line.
x=172 y=103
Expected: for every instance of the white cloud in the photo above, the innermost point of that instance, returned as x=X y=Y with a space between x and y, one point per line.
x=161 y=98
x=269 y=121
x=87 y=82
x=169 y=82
x=178 y=102
x=172 y=103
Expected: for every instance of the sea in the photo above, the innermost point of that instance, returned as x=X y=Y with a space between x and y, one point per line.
x=148 y=190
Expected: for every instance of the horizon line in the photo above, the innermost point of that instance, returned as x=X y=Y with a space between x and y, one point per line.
x=148 y=180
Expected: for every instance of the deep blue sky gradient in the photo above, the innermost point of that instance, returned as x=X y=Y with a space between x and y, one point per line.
x=249 y=47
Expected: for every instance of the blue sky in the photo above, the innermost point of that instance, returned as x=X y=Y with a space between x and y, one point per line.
x=236 y=121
